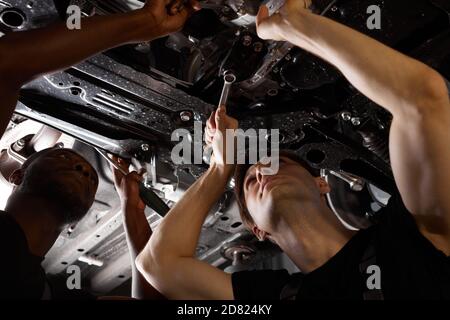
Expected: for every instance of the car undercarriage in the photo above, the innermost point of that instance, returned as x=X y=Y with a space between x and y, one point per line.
x=128 y=101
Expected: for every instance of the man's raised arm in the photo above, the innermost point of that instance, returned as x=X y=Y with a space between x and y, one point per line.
x=414 y=93
x=24 y=57
x=168 y=261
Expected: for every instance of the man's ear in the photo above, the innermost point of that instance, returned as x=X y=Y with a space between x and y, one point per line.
x=16 y=177
x=323 y=186
x=260 y=234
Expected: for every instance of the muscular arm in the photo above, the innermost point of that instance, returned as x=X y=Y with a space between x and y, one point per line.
x=23 y=57
x=415 y=94
x=168 y=261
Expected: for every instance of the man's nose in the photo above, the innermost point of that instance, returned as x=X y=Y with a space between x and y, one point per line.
x=259 y=174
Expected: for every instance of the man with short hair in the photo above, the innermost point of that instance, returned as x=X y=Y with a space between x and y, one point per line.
x=410 y=246
x=56 y=187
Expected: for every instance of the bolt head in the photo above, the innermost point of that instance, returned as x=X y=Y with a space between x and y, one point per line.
x=185 y=116
x=356 y=121
x=346 y=116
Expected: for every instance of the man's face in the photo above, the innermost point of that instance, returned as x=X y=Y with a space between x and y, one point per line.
x=63 y=176
x=267 y=196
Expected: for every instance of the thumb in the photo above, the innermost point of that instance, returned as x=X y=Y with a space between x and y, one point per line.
x=263 y=13
x=220 y=118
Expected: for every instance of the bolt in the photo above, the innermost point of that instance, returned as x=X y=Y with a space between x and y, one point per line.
x=334 y=8
x=185 y=116
x=257 y=46
x=356 y=121
x=247 y=40
x=288 y=57
x=19 y=145
x=346 y=116
x=145 y=147
x=272 y=92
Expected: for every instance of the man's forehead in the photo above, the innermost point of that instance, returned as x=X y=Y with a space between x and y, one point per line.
x=50 y=151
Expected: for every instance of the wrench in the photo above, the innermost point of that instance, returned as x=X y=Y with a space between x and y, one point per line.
x=229 y=79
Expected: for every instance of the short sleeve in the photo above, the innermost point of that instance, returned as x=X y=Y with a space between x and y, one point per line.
x=411 y=266
x=259 y=285
x=23 y=276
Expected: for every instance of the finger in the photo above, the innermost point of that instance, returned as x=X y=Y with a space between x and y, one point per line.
x=195 y=5
x=222 y=108
x=210 y=132
x=220 y=118
x=117 y=175
x=263 y=13
x=122 y=163
x=211 y=123
x=134 y=177
x=142 y=172
x=209 y=139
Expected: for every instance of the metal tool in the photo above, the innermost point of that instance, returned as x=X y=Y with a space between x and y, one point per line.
x=229 y=79
x=147 y=195
x=111 y=161
x=355 y=183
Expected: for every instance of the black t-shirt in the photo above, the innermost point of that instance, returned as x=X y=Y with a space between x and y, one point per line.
x=21 y=273
x=411 y=267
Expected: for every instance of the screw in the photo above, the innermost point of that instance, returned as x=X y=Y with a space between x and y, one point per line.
x=18 y=145
x=346 y=116
x=185 y=116
x=21 y=143
x=356 y=121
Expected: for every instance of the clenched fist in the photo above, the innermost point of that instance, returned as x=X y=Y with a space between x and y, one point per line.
x=272 y=27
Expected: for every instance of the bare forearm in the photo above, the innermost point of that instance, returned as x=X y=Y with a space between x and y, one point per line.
x=137 y=235
x=25 y=56
x=178 y=233
x=384 y=75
